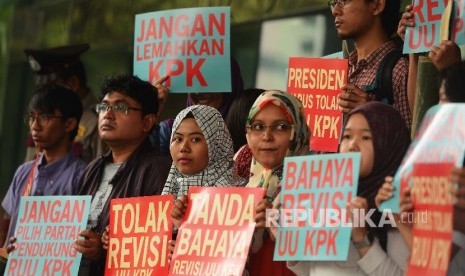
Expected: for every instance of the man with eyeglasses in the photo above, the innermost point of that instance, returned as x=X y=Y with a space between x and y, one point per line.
x=53 y=120
x=127 y=114
x=62 y=66
x=370 y=24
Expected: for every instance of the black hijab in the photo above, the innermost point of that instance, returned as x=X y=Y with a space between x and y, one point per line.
x=391 y=140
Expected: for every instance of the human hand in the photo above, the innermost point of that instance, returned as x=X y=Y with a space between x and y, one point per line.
x=90 y=246
x=11 y=246
x=179 y=209
x=171 y=244
x=385 y=192
x=444 y=55
x=457 y=178
x=273 y=230
x=105 y=238
x=354 y=208
x=162 y=92
x=407 y=20
x=352 y=97
x=406 y=205
x=260 y=212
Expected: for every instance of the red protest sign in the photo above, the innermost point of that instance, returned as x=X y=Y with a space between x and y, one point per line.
x=215 y=236
x=433 y=219
x=316 y=82
x=140 y=228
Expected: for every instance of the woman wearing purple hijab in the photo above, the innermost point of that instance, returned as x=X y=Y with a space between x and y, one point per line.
x=378 y=132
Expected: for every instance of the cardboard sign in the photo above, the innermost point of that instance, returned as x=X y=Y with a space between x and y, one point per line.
x=435 y=20
x=46 y=229
x=140 y=228
x=316 y=82
x=433 y=219
x=440 y=138
x=191 y=45
x=217 y=230
x=313 y=219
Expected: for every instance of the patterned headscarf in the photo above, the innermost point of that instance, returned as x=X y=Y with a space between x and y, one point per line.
x=270 y=178
x=220 y=167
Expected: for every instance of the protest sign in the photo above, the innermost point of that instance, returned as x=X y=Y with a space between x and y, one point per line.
x=440 y=138
x=46 y=229
x=190 y=45
x=140 y=228
x=216 y=232
x=316 y=82
x=432 y=219
x=435 y=20
x=313 y=220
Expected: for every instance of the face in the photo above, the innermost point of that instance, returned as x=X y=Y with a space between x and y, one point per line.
x=188 y=148
x=211 y=99
x=354 y=18
x=357 y=138
x=50 y=131
x=116 y=127
x=269 y=147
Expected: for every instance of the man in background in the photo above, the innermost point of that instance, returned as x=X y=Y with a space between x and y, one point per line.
x=62 y=66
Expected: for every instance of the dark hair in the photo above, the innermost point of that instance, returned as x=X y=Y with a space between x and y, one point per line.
x=76 y=69
x=390 y=16
x=51 y=97
x=454 y=82
x=237 y=115
x=141 y=91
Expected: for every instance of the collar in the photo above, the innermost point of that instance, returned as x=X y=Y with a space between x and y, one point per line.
x=57 y=165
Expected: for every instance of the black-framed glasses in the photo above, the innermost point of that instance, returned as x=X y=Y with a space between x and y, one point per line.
x=260 y=128
x=42 y=118
x=340 y=3
x=116 y=108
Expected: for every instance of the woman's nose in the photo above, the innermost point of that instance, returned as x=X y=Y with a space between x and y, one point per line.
x=185 y=146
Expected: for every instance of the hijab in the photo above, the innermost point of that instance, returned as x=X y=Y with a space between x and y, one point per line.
x=391 y=140
x=270 y=178
x=220 y=167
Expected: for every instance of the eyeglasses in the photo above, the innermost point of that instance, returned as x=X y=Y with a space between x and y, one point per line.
x=259 y=128
x=340 y=3
x=42 y=119
x=116 y=108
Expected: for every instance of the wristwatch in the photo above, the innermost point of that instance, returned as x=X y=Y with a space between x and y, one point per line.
x=363 y=243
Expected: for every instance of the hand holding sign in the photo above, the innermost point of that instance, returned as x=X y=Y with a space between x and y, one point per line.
x=90 y=246
x=457 y=176
x=179 y=210
x=385 y=192
x=260 y=212
x=105 y=239
x=406 y=204
x=407 y=20
x=445 y=54
x=354 y=207
x=352 y=97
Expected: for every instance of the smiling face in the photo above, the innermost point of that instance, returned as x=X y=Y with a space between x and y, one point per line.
x=357 y=138
x=269 y=147
x=189 y=149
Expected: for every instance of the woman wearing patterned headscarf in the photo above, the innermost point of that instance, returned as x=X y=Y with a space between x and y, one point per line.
x=275 y=129
x=202 y=151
